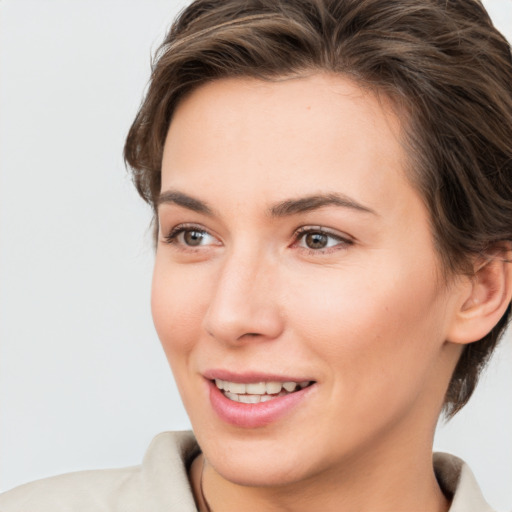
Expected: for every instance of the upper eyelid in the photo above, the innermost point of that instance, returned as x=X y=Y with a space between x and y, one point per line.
x=326 y=231
x=187 y=226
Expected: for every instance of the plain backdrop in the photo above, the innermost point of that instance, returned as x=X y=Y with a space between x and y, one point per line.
x=83 y=381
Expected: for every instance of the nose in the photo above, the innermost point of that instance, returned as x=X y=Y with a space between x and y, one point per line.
x=244 y=304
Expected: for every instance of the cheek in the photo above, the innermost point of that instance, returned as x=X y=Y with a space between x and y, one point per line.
x=378 y=341
x=178 y=299
x=370 y=321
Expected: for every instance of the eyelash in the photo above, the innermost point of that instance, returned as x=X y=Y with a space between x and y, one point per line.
x=298 y=236
x=342 y=242
x=172 y=237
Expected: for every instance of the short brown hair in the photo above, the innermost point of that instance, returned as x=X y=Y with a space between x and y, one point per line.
x=442 y=63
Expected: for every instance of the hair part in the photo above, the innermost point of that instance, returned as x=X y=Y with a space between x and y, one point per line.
x=443 y=65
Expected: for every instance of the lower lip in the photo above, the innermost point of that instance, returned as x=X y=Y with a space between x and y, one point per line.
x=254 y=415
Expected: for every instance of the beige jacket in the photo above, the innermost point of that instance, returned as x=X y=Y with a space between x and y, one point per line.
x=160 y=484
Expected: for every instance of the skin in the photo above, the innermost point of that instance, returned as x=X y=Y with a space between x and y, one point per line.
x=367 y=318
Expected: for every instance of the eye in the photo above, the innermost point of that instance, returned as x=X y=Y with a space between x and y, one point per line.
x=318 y=239
x=190 y=237
x=193 y=237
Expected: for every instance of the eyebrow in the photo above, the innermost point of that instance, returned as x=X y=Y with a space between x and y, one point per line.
x=185 y=201
x=282 y=209
x=314 y=202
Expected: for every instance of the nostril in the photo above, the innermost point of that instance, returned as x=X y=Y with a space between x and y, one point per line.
x=249 y=335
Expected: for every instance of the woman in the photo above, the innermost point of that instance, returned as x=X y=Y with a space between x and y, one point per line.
x=332 y=189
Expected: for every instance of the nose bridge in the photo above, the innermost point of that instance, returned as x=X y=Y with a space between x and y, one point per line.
x=244 y=301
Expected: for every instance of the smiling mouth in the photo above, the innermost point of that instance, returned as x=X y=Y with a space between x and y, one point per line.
x=257 y=392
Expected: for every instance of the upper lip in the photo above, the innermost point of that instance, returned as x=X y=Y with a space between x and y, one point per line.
x=252 y=377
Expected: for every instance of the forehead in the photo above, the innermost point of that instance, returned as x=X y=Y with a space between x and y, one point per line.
x=285 y=136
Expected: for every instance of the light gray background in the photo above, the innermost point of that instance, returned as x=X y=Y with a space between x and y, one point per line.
x=83 y=380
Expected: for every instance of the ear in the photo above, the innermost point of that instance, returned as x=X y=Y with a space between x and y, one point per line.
x=486 y=297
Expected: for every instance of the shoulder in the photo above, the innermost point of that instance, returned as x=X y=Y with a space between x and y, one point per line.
x=160 y=483
x=458 y=482
x=80 y=491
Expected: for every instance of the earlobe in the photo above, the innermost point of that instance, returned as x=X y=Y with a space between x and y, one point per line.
x=486 y=299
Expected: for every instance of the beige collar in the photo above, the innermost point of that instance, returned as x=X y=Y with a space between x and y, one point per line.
x=458 y=482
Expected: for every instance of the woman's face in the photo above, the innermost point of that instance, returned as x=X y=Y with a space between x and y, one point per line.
x=292 y=249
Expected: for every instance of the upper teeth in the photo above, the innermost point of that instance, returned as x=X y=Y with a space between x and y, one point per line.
x=259 y=388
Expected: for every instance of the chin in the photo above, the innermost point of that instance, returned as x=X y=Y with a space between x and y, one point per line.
x=257 y=473
x=259 y=460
